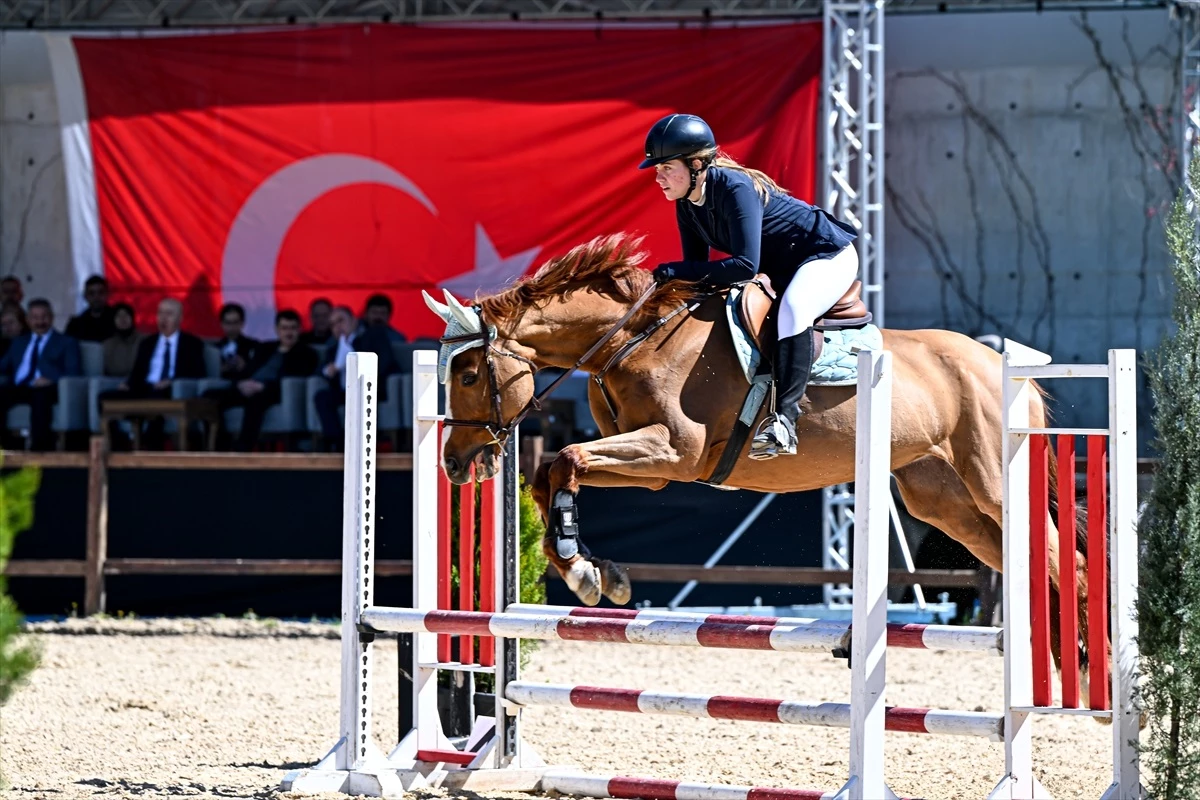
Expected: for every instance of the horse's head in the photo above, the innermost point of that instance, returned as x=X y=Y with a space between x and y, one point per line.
x=488 y=389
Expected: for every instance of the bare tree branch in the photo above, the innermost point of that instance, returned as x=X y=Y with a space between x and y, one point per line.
x=1152 y=136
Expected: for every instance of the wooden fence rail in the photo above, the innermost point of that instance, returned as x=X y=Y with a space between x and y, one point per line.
x=96 y=566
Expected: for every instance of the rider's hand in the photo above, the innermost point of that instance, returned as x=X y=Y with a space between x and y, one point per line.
x=663 y=273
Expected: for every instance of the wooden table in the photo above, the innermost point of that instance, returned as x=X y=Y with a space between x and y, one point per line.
x=183 y=411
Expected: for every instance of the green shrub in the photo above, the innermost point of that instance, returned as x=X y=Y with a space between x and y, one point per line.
x=18 y=656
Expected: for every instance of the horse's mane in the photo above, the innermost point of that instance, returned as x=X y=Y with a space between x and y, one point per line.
x=609 y=265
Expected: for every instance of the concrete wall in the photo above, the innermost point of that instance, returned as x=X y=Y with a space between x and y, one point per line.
x=1023 y=200
x=34 y=238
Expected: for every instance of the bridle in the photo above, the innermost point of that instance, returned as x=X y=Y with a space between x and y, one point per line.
x=486 y=336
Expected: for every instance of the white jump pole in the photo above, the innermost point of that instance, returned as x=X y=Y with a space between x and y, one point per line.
x=868 y=632
x=1123 y=572
x=427 y=733
x=1018 y=782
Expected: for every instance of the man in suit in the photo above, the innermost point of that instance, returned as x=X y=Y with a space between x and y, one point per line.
x=273 y=361
x=349 y=336
x=30 y=370
x=236 y=349
x=161 y=358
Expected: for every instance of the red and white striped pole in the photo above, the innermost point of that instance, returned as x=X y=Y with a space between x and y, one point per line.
x=666 y=632
x=752 y=709
x=904 y=635
x=629 y=788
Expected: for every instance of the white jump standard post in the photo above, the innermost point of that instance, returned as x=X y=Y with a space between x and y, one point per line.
x=355 y=765
x=1022 y=365
x=494 y=753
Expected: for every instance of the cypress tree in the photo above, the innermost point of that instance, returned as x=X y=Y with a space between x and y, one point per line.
x=1169 y=566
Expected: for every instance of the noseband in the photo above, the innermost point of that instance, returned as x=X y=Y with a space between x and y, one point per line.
x=496 y=426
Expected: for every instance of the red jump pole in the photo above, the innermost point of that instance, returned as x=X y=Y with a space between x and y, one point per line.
x=487 y=564
x=466 y=564
x=443 y=565
x=1068 y=596
x=1097 y=559
x=1039 y=567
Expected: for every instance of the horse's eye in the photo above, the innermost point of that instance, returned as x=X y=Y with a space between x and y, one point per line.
x=469 y=378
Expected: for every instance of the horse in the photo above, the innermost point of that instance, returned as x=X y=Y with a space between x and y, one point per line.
x=669 y=392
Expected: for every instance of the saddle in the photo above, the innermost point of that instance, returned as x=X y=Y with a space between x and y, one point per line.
x=758 y=308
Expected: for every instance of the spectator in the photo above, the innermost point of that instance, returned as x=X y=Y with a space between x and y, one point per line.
x=349 y=336
x=273 y=361
x=95 y=323
x=30 y=370
x=319 y=312
x=236 y=350
x=12 y=325
x=378 y=314
x=11 y=291
x=120 y=349
x=161 y=358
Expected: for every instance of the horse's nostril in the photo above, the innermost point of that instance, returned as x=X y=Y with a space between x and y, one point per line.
x=452 y=465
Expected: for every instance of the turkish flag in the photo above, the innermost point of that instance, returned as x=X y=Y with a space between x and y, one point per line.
x=273 y=168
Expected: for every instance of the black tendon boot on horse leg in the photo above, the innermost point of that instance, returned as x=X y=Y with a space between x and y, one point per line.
x=582 y=577
x=776 y=435
x=588 y=577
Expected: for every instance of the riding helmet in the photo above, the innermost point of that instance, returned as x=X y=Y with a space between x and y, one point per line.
x=676 y=136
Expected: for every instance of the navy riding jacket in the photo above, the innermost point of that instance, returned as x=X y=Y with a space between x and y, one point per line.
x=776 y=239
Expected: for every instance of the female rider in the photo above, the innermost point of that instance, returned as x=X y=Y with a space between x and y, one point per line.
x=806 y=252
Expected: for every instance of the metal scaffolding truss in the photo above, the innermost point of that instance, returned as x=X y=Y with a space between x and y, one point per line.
x=852 y=190
x=852 y=146
x=127 y=14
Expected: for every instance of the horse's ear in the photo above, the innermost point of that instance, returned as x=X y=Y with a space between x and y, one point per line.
x=469 y=321
x=441 y=309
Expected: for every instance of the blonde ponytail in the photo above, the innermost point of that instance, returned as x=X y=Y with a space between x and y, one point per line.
x=763 y=184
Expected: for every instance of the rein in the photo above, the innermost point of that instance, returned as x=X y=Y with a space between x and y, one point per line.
x=496 y=426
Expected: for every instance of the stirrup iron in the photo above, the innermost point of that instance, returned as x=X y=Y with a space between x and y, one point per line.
x=772 y=438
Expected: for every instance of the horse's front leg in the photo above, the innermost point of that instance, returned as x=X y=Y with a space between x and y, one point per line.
x=645 y=457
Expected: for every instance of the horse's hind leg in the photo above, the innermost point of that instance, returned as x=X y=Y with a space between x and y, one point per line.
x=978 y=460
x=934 y=493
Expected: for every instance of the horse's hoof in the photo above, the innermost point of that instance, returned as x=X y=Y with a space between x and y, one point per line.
x=584 y=580
x=614 y=581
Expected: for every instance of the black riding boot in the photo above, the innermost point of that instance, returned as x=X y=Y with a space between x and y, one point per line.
x=793 y=366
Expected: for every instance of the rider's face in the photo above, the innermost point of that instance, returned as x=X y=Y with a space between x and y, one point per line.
x=673 y=179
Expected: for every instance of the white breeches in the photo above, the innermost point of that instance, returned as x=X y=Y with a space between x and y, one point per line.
x=816 y=287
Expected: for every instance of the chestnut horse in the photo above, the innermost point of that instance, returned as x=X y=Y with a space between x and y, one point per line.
x=676 y=395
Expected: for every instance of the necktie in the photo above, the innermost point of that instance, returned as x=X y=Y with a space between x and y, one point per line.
x=33 y=360
x=166 y=368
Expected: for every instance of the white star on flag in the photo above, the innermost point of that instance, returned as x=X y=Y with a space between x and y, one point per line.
x=492 y=273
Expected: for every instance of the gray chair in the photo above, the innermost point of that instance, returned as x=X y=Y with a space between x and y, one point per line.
x=285 y=418
x=70 y=412
x=394 y=414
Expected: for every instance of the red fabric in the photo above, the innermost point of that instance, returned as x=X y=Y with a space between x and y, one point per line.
x=532 y=134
